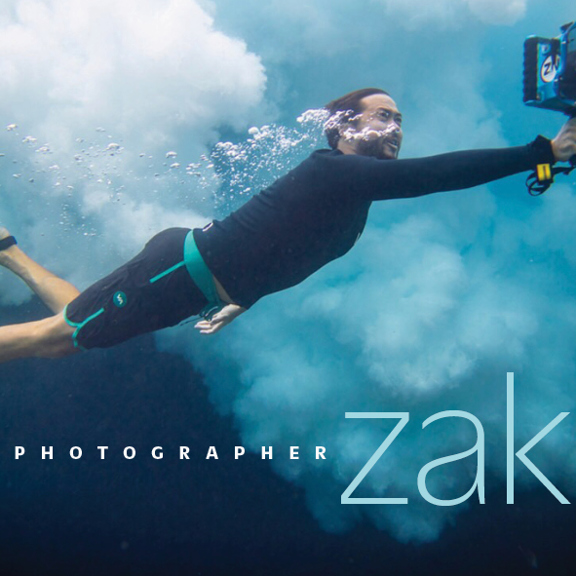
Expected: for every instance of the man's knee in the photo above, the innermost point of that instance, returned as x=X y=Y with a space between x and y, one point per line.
x=54 y=338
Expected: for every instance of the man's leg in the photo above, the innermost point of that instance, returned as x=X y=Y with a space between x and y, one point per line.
x=53 y=291
x=48 y=338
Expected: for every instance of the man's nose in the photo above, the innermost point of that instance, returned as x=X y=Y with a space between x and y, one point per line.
x=396 y=126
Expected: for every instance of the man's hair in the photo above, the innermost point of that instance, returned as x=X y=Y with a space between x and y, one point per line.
x=343 y=109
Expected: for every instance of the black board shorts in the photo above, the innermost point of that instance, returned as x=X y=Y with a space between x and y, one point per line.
x=151 y=291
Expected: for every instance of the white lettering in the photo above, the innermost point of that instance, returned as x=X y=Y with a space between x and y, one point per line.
x=49 y=452
x=75 y=452
x=266 y=452
x=129 y=452
x=212 y=453
x=526 y=448
x=404 y=417
x=478 y=448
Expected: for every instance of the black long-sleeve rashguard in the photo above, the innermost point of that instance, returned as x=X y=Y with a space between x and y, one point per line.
x=316 y=212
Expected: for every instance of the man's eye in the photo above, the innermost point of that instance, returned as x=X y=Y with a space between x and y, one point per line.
x=385 y=114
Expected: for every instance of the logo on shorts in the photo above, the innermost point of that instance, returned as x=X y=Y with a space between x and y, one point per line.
x=120 y=299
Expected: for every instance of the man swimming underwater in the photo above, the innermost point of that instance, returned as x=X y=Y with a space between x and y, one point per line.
x=309 y=217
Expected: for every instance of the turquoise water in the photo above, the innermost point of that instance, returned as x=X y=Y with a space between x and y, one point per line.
x=120 y=119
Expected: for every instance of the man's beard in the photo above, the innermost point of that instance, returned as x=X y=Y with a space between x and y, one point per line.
x=376 y=148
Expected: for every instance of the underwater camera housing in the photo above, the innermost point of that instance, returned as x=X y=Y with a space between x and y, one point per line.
x=550 y=71
x=550 y=83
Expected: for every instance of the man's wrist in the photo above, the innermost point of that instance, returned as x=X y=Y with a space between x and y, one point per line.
x=545 y=149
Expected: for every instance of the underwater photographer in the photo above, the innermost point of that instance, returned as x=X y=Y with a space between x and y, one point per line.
x=306 y=219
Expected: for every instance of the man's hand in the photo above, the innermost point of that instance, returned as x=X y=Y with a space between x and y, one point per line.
x=564 y=145
x=220 y=319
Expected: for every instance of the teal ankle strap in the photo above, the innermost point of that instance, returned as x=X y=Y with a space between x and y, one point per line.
x=7 y=242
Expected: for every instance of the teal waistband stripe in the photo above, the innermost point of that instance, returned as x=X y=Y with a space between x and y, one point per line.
x=79 y=325
x=199 y=272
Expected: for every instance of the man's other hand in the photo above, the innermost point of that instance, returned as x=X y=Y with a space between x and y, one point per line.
x=220 y=319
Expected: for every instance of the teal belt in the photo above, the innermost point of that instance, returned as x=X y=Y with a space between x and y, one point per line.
x=200 y=274
x=202 y=277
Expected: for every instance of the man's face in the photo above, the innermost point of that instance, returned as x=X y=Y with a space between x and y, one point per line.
x=377 y=131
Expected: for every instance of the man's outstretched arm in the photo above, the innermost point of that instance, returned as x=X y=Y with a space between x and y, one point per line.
x=388 y=179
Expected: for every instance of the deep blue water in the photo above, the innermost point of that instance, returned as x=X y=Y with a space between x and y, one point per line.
x=147 y=517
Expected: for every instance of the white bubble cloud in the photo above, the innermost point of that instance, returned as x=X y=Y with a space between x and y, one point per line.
x=98 y=92
x=145 y=69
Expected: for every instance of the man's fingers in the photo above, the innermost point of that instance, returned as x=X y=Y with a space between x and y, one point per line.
x=219 y=320
x=208 y=330
x=214 y=320
x=208 y=327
